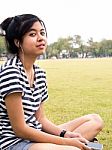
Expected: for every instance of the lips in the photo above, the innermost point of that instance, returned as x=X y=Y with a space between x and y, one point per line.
x=41 y=46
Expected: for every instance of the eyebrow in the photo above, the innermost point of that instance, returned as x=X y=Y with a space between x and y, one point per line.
x=36 y=30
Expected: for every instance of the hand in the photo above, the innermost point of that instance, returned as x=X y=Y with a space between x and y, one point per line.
x=81 y=144
x=69 y=134
x=77 y=142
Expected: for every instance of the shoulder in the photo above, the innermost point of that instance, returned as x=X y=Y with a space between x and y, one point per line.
x=40 y=71
x=10 y=62
x=9 y=67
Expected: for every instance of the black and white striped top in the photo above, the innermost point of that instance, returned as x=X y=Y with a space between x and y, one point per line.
x=13 y=79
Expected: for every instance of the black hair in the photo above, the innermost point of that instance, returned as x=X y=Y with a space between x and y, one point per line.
x=16 y=27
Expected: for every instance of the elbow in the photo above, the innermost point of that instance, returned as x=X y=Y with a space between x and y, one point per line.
x=19 y=131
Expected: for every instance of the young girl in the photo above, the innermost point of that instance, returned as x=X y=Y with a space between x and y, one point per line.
x=23 y=90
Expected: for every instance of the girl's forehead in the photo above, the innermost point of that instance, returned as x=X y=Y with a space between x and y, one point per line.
x=37 y=25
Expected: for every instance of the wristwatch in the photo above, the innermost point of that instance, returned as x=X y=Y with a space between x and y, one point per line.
x=62 y=133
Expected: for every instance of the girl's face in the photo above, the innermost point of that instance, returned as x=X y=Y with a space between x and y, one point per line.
x=34 y=41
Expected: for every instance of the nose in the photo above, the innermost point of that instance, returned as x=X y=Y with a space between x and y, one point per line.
x=40 y=38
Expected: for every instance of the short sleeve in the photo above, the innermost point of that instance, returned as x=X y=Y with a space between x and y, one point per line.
x=10 y=81
x=45 y=92
x=45 y=88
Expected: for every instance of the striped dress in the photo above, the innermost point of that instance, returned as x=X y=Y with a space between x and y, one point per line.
x=13 y=79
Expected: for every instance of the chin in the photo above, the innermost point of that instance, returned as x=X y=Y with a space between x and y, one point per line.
x=41 y=52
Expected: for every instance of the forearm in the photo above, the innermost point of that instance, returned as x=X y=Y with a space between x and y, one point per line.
x=29 y=133
x=47 y=125
x=50 y=127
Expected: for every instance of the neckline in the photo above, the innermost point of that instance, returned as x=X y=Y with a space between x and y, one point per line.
x=23 y=70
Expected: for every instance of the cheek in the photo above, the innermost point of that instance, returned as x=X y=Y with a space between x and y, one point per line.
x=28 y=42
x=26 y=45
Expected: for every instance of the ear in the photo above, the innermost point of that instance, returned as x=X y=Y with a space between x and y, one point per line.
x=17 y=43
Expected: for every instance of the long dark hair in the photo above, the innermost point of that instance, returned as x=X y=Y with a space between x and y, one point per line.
x=16 y=27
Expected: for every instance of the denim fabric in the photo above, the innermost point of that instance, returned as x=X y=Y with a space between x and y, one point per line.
x=24 y=145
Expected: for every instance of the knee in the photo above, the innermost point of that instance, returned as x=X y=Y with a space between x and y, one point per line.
x=98 y=121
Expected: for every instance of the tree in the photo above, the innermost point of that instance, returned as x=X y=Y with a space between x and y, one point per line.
x=2 y=46
x=76 y=47
x=77 y=40
x=56 y=48
x=105 y=47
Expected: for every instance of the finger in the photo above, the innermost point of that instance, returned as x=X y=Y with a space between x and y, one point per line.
x=83 y=140
x=87 y=148
x=78 y=135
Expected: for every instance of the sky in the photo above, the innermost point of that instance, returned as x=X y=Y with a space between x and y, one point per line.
x=63 y=18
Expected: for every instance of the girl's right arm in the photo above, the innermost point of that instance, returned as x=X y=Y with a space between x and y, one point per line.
x=21 y=129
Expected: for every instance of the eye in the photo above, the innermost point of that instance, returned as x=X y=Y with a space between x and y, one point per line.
x=42 y=33
x=32 y=34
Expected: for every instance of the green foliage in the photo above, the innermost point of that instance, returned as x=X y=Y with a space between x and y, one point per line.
x=2 y=45
x=76 y=45
x=78 y=87
x=55 y=48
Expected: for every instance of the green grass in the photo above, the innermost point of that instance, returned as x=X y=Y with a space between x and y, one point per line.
x=78 y=87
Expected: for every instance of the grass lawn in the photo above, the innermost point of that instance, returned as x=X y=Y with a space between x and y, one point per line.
x=78 y=87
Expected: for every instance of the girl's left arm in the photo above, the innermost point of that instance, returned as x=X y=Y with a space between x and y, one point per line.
x=47 y=125
x=51 y=128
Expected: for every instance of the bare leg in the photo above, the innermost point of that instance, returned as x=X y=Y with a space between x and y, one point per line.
x=47 y=146
x=88 y=126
